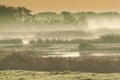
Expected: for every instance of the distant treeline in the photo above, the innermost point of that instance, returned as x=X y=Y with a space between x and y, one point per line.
x=22 y=15
x=102 y=39
x=11 y=41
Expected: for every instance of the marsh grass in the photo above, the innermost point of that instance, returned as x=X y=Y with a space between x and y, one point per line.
x=17 y=61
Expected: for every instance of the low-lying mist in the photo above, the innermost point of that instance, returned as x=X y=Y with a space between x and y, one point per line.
x=18 y=22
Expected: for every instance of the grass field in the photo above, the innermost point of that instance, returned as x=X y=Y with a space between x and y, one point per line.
x=66 y=75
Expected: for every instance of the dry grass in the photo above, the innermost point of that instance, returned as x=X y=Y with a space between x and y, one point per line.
x=33 y=75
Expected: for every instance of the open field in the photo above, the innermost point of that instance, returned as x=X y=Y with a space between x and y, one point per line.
x=66 y=75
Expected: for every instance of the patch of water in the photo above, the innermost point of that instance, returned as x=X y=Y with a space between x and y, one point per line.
x=64 y=54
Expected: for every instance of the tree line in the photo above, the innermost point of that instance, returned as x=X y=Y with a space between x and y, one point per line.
x=23 y=15
x=102 y=39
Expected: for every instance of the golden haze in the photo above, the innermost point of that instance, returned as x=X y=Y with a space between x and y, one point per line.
x=66 y=5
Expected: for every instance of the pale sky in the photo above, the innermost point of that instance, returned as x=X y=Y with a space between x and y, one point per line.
x=66 y=5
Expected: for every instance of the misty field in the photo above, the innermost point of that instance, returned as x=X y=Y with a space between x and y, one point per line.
x=66 y=75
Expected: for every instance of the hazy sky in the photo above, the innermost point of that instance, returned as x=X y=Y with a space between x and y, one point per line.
x=66 y=5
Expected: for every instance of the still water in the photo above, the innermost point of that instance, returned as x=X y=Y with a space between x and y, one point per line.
x=63 y=54
x=78 y=54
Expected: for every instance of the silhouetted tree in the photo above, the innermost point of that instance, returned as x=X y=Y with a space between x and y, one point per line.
x=23 y=14
x=40 y=41
x=13 y=14
x=68 y=18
